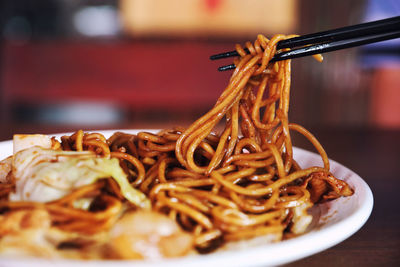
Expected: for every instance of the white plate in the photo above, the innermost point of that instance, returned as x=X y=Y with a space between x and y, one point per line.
x=338 y=220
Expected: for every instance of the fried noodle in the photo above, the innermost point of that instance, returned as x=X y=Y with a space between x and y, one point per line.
x=226 y=185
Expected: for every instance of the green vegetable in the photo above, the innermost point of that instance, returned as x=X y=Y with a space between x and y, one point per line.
x=45 y=175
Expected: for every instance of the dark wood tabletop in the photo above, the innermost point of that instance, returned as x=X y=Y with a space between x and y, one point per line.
x=374 y=154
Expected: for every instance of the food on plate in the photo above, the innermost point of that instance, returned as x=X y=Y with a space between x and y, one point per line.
x=230 y=176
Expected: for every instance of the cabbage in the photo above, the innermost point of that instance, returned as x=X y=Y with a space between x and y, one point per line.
x=44 y=175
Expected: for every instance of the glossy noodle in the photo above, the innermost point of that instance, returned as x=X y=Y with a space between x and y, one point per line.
x=229 y=176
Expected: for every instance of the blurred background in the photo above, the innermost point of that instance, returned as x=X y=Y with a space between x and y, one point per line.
x=69 y=64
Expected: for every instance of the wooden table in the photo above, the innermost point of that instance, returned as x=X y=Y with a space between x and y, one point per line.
x=374 y=155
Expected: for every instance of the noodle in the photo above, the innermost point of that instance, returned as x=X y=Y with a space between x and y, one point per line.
x=233 y=185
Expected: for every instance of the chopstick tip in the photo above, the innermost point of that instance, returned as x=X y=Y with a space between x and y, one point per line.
x=227 y=67
x=224 y=55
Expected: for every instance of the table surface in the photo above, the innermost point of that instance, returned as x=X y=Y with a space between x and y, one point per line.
x=373 y=154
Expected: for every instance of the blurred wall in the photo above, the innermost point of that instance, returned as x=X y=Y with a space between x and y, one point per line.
x=208 y=18
x=57 y=55
x=334 y=92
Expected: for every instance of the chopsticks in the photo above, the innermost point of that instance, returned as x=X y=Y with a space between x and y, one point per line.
x=327 y=41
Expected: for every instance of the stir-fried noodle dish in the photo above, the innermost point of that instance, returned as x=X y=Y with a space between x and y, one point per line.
x=228 y=177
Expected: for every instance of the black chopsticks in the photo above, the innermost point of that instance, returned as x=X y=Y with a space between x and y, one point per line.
x=332 y=40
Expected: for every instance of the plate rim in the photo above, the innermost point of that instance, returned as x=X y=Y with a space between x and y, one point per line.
x=316 y=239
